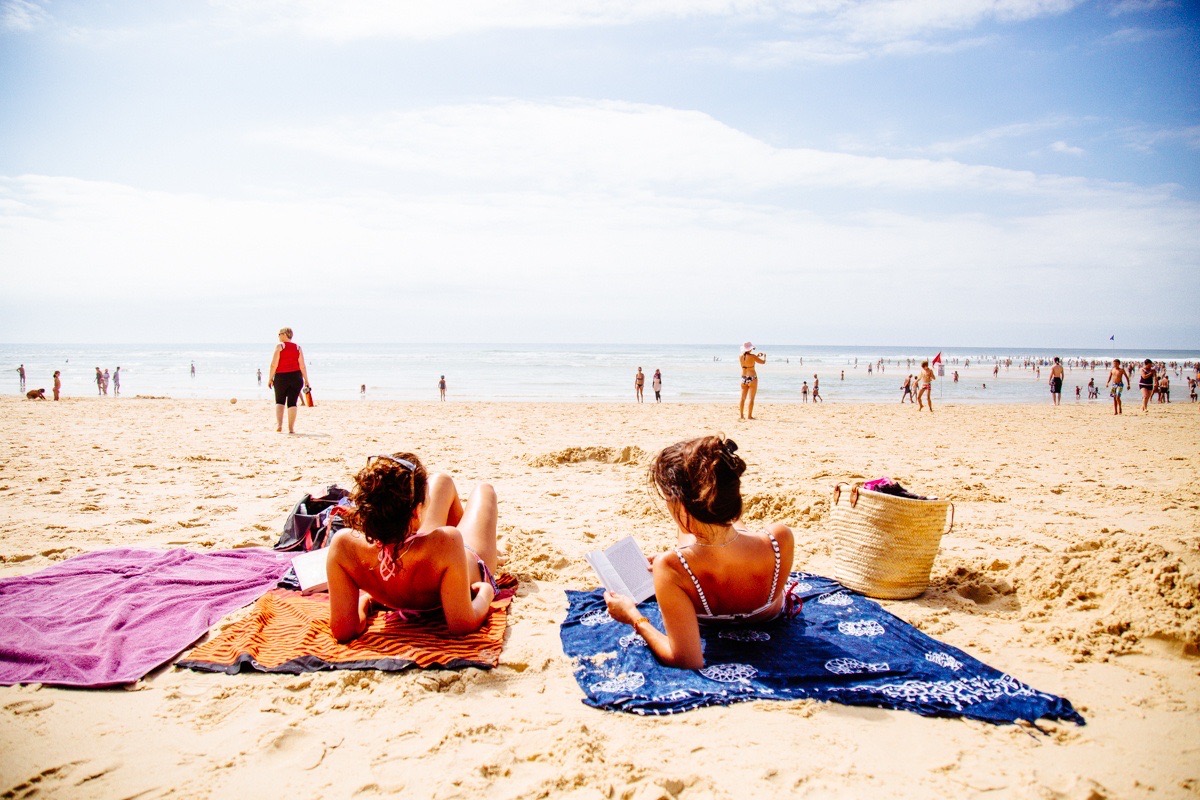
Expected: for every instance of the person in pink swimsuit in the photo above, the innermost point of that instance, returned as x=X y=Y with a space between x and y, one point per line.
x=412 y=545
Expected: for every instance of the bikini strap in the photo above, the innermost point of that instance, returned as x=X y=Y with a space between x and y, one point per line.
x=775 y=578
x=696 y=583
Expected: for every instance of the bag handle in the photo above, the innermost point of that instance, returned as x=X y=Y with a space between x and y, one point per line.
x=837 y=492
x=951 y=527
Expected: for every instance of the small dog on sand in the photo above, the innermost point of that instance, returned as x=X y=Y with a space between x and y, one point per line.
x=35 y=394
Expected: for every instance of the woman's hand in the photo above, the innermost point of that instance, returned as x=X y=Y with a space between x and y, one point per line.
x=480 y=587
x=621 y=607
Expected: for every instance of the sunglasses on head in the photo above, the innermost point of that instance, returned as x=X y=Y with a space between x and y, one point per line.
x=408 y=465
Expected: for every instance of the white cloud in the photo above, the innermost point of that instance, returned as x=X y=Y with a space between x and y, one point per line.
x=1063 y=147
x=1140 y=6
x=21 y=15
x=639 y=215
x=626 y=149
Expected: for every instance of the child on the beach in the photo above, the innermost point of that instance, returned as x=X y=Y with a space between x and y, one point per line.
x=720 y=571
x=412 y=546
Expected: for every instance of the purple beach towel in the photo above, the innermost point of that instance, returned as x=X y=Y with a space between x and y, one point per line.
x=110 y=617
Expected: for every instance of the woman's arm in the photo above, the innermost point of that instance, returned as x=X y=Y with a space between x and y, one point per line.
x=347 y=603
x=274 y=366
x=680 y=646
x=464 y=613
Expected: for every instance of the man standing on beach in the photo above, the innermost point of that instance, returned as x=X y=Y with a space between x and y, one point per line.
x=21 y=375
x=1056 y=382
x=817 y=389
x=1116 y=378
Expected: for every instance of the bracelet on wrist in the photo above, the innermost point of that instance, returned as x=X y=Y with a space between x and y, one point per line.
x=637 y=621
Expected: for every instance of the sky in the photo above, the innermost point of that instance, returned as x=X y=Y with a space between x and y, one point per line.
x=867 y=172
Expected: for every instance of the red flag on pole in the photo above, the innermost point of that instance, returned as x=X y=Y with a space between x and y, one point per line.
x=938 y=358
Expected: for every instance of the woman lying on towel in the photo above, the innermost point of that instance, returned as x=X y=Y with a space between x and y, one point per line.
x=721 y=573
x=413 y=547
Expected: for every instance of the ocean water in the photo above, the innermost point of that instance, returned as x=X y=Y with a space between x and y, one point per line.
x=568 y=372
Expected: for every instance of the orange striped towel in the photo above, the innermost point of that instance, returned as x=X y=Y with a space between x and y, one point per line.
x=288 y=632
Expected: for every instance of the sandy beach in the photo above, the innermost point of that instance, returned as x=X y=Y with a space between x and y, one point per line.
x=1074 y=565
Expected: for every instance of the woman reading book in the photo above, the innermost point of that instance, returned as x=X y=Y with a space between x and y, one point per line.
x=412 y=545
x=721 y=572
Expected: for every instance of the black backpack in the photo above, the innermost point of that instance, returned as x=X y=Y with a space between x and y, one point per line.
x=314 y=520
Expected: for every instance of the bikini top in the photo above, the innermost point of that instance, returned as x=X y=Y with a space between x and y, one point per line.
x=708 y=616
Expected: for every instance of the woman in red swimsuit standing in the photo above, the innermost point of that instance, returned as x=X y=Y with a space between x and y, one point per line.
x=721 y=571
x=287 y=377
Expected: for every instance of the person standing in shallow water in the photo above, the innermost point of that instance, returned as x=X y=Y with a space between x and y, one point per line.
x=21 y=375
x=287 y=376
x=639 y=383
x=748 y=360
x=1147 y=379
x=817 y=390
x=1056 y=382
x=442 y=388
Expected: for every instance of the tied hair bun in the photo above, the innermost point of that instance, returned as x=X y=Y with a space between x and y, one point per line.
x=725 y=454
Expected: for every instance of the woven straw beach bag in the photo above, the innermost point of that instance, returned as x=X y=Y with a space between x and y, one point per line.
x=883 y=545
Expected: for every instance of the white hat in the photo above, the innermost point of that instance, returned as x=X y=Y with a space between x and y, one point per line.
x=747 y=347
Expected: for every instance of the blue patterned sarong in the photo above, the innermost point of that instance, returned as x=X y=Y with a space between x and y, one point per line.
x=843 y=647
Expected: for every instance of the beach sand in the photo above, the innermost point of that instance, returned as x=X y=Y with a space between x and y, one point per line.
x=1074 y=565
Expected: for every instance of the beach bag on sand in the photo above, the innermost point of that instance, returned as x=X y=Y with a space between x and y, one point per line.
x=314 y=520
x=883 y=544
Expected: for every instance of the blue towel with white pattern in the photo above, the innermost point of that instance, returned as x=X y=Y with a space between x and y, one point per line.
x=842 y=647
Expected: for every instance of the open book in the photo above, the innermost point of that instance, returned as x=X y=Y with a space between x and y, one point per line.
x=310 y=570
x=623 y=569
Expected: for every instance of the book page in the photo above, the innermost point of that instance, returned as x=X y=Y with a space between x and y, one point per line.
x=310 y=570
x=630 y=563
x=623 y=569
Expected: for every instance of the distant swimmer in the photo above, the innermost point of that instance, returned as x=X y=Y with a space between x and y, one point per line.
x=748 y=359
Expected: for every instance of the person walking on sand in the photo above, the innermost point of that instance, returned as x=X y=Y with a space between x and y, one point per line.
x=925 y=379
x=817 y=390
x=57 y=383
x=906 y=390
x=1056 y=382
x=656 y=385
x=442 y=387
x=639 y=383
x=1146 y=382
x=99 y=382
x=748 y=360
x=1116 y=379
x=1164 y=388
x=21 y=376
x=287 y=376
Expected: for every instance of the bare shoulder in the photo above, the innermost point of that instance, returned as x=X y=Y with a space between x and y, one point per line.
x=782 y=534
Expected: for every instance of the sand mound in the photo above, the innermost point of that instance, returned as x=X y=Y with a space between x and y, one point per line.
x=794 y=509
x=1117 y=592
x=629 y=454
